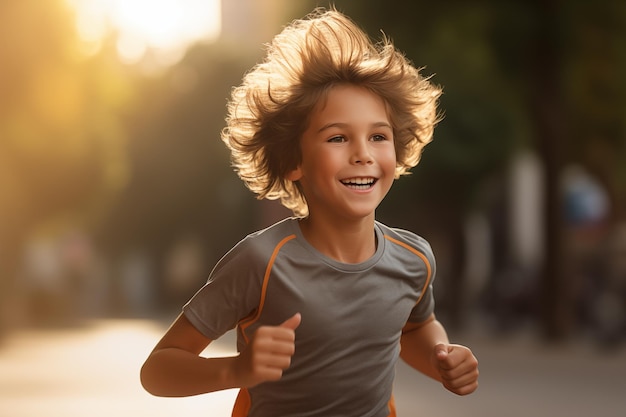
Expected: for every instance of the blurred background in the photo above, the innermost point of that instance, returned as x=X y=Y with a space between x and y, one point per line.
x=116 y=194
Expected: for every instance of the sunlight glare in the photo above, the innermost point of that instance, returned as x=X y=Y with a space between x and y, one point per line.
x=163 y=27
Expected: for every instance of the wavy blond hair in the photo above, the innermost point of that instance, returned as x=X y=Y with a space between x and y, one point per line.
x=269 y=111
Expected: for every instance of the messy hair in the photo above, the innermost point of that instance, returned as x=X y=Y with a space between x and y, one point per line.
x=269 y=111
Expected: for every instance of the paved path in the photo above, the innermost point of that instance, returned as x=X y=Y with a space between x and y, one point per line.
x=92 y=371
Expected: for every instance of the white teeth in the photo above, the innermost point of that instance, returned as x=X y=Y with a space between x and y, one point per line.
x=358 y=181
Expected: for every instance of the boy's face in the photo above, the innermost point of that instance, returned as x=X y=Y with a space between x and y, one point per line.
x=348 y=155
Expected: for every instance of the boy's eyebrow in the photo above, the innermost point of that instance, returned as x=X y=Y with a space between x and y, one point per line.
x=343 y=125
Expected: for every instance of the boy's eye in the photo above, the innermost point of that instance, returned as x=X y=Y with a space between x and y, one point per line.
x=379 y=138
x=337 y=139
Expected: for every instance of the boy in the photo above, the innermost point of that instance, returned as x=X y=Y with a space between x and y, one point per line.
x=324 y=302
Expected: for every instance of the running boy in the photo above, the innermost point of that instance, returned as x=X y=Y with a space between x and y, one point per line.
x=325 y=302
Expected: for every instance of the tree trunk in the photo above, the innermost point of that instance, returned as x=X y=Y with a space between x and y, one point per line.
x=547 y=112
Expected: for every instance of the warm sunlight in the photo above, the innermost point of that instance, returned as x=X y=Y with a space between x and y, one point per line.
x=161 y=28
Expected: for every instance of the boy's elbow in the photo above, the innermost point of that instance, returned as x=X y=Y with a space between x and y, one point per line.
x=146 y=376
x=144 y=379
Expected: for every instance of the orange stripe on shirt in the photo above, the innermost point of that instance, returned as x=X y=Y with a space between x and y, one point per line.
x=246 y=322
x=392 y=407
x=241 y=408
x=422 y=256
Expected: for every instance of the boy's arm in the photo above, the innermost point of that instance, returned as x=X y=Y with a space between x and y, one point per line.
x=176 y=369
x=425 y=347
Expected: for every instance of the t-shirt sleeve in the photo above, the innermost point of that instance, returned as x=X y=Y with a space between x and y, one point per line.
x=231 y=293
x=424 y=308
x=425 y=305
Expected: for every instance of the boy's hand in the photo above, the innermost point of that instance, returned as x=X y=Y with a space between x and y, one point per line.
x=458 y=368
x=268 y=354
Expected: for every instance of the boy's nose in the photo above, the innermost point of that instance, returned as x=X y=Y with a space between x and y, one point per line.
x=361 y=153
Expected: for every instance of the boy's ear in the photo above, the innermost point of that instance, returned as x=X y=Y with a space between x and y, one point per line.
x=294 y=175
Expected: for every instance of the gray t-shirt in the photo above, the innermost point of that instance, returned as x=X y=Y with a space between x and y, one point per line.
x=347 y=344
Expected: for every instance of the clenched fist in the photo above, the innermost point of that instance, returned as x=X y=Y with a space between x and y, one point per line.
x=458 y=368
x=268 y=354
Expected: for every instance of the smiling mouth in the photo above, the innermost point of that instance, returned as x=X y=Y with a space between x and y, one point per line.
x=359 y=183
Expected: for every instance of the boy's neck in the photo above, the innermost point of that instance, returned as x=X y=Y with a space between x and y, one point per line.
x=347 y=242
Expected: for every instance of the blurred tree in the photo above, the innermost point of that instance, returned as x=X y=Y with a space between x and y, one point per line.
x=579 y=103
x=61 y=145
x=546 y=109
x=592 y=77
